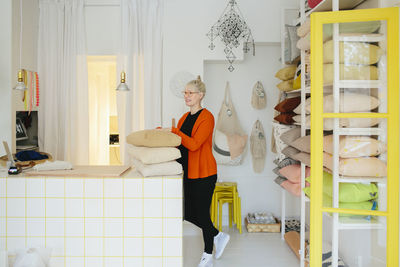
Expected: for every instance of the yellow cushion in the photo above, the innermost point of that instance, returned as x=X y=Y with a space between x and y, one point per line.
x=350 y=72
x=286 y=73
x=285 y=86
x=353 y=53
x=297 y=82
x=153 y=138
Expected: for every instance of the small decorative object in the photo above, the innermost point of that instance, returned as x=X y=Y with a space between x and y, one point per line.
x=258 y=147
x=258 y=97
x=232 y=29
x=178 y=82
x=262 y=222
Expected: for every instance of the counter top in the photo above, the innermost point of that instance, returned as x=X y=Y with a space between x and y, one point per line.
x=94 y=171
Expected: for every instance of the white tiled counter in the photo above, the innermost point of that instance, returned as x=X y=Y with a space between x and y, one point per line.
x=93 y=222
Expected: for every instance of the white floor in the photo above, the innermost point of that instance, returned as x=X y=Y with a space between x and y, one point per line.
x=246 y=249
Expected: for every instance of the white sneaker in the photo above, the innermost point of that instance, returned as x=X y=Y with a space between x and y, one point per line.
x=220 y=242
x=206 y=260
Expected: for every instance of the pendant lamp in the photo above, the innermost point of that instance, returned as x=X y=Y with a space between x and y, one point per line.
x=123 y=87
x=20 y=83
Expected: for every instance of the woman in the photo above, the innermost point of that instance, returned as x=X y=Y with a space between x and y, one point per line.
x=200 y=169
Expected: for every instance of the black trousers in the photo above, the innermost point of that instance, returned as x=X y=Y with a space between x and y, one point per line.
x=197 y=201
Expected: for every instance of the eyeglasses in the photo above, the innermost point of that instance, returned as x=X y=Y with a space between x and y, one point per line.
x=189 y=93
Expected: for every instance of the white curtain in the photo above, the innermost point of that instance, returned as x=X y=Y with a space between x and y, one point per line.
x=141 y=57
x=63 y=114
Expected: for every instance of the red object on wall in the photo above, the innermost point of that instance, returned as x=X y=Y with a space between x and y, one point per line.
x=313 y=3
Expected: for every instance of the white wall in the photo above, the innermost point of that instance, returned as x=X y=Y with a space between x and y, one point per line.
x=186 y=23
x=5 y=71
x=258 y=191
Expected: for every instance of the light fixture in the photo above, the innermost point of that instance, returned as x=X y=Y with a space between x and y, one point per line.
x=123 y=87
x=20 y=83
x=233 y=30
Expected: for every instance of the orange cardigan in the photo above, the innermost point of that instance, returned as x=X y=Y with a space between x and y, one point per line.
x=201 y=161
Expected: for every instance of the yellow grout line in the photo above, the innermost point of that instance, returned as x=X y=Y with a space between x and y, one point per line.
x=162 y=222
x=45 y=212
x=123 y=222
x=6 y=214
x=26 y=215
x=104 y=227
x=65 y=223
x=84 y=221
x=143 y=223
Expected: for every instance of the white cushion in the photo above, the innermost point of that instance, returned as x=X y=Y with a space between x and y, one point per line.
x=151 y=155
x=158 y=169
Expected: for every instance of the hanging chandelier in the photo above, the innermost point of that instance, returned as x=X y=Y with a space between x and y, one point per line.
x=233 y=30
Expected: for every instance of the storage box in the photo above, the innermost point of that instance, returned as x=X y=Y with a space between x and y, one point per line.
x=266 y=228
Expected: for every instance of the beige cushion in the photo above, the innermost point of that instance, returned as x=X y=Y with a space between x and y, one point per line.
x=345 y=122
x=304 y=28
x=285 y=86
x=291 y=135
x=286 y=73
x=353 y=53
x=304 y=42
x=158 y=169
x=303 y=157
x=290 y=151
x=152 y=155
x=350 y=72
x=349 y=103
x=278 y=130
x=153 y=138
x=302 y=144
x=355 y=146
x=360 y=167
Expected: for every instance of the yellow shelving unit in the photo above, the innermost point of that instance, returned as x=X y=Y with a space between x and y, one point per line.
x=390 y=16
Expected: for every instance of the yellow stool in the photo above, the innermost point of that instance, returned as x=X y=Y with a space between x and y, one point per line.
x=226 y=192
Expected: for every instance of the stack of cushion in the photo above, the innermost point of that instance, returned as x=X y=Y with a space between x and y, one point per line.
x=357 y=156
x=349 y=103
x=154 y=152
x=356 y=59
x=286 y=108
x=286 y=76
x=351 y=195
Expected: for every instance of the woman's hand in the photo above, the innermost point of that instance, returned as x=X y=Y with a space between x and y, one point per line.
x=164 y=129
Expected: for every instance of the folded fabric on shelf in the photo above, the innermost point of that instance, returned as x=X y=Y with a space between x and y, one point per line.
x=53 y=165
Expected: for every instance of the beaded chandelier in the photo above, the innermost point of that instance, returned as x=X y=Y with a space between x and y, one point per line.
x=233 y=30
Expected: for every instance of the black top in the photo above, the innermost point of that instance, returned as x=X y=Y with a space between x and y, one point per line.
x=186 y=128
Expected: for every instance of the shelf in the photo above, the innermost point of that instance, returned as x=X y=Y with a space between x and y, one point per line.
x=353 y=179
x=357 y=222
x=371 y=38
x=365 y=84
x=361 y=131
x=326 y=5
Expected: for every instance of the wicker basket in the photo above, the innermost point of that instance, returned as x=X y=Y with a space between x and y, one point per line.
x=266 y=228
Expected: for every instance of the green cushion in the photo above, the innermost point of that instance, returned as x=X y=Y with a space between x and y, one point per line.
x=349 y=192
x=327 y=203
